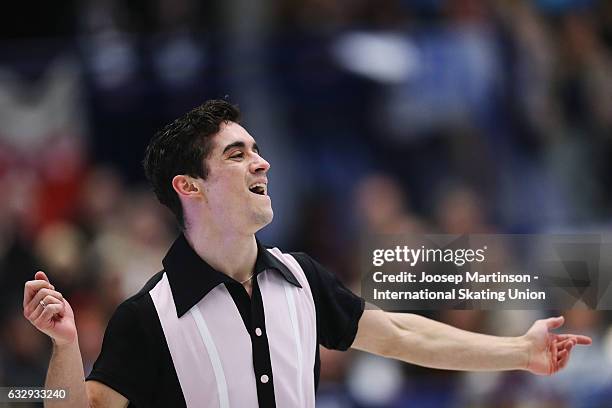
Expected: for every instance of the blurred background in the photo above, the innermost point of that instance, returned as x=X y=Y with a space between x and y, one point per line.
x=386 y=116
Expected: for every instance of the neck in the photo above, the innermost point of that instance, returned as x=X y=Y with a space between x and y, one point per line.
x=232 y=254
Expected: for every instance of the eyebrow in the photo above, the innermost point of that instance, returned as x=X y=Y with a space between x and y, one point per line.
x=239 y=144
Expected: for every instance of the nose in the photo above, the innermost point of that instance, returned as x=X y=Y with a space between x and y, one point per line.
x=260 y=165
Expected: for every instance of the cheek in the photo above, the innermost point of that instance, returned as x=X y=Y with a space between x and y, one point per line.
x=225 y=185
x=224 y=190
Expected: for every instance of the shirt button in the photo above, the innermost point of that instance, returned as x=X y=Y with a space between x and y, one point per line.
x=258 y=332
x=264 y=379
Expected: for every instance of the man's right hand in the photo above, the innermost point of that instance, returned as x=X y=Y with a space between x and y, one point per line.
x=48 y=311
x=55 y=318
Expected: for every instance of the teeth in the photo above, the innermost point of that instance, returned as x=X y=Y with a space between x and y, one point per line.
x=260 y=185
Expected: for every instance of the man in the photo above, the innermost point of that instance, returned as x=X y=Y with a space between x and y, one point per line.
x=229 y=322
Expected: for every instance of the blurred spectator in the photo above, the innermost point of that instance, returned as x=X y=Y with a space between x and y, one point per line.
x=460 y=211
x=132 y=249
x=61 y=248
x=382 y=207
x=100 y=200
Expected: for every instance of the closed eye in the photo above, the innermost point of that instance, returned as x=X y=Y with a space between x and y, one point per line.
x=237 y=155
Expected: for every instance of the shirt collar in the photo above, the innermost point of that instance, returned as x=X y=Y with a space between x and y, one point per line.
x=191 y=277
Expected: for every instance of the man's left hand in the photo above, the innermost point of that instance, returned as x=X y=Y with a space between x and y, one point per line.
x=550 y=352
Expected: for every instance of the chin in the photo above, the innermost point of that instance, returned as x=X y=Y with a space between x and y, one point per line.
x=262 y=218
x=267 y=217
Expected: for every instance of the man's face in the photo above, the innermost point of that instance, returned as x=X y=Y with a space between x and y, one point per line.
x=236 y=189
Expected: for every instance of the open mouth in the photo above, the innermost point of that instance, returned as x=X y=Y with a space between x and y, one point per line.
x=259 y=189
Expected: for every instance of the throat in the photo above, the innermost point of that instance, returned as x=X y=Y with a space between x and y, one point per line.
x=231 y=255
x=248 y=287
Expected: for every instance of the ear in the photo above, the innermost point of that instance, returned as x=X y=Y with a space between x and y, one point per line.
x=185 y=186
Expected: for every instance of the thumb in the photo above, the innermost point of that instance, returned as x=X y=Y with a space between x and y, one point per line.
x=554 y=322
x=40 y=275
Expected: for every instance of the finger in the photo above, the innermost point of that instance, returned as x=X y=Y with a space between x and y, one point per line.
x=49 y=312
x=565 y=341
x=45 y=321
x=43 y=293
x=554 y=322
x=563 y=360
x=563 y=354
x=33 y=286
x=40 y=275
x=585 y=340
x=40 y=309
x=562 y=344
x=40 y=295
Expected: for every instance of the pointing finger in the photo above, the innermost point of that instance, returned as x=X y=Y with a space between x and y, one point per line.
x=585 y=340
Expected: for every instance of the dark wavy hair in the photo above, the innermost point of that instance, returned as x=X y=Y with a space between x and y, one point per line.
x=182 y=147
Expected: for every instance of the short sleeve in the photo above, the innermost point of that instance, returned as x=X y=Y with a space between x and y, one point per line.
x=338 y=309
x=124 y=363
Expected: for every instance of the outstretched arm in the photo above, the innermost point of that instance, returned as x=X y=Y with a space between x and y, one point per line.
x=422 y=341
